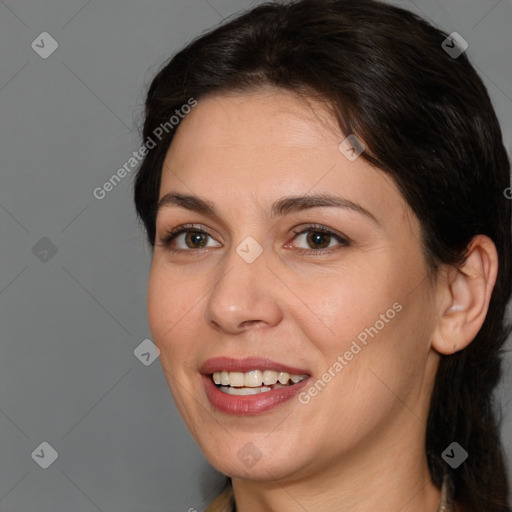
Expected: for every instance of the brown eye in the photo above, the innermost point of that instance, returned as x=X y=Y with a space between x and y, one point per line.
x=319 y=238
x=185 y=238
x=195 y=237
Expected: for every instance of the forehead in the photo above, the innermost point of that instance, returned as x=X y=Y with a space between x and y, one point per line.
x=266 y=144
x=265 y=115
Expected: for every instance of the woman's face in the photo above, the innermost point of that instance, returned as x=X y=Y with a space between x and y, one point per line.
x=254 y=281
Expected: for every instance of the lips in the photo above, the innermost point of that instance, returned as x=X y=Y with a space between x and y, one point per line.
x=250 y=404
x=218 y=364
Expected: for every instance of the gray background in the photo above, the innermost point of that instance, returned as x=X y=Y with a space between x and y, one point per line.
x=70 y=321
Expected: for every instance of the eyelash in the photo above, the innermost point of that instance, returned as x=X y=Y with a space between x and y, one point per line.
x=344 y=241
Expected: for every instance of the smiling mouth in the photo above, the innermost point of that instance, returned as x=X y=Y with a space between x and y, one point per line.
x=254 y=382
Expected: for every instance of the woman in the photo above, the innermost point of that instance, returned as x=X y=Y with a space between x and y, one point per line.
x=331 y=259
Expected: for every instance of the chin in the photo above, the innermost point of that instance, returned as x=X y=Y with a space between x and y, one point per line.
x=261 y=471
x=243 y=459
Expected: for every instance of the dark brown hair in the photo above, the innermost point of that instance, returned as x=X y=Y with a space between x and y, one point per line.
x=427 y=121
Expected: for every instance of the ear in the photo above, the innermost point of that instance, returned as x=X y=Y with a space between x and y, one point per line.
x=463 y=296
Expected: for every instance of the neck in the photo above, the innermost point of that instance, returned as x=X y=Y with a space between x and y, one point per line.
x=391 y=492
x=396 y=478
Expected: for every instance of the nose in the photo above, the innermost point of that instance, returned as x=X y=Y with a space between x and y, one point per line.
x=245 y=295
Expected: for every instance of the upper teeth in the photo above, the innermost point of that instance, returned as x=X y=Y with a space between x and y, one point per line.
x=255 y=378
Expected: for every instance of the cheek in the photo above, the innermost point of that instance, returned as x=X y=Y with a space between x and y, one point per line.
x=370 y=318
x=172 y=307
x=159 y=304
x=344 y=306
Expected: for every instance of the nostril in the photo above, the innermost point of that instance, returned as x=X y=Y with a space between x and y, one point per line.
x=249 y=322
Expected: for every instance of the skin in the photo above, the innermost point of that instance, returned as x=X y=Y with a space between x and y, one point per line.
x=358 y=444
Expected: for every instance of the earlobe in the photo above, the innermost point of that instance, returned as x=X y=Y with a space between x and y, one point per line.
x=464 y=296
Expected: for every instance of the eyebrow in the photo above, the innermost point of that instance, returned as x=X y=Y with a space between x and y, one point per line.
x=281 y=207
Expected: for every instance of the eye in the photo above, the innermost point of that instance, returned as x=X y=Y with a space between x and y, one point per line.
x=194 y=238
x=320 y=237
x=190 y=235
